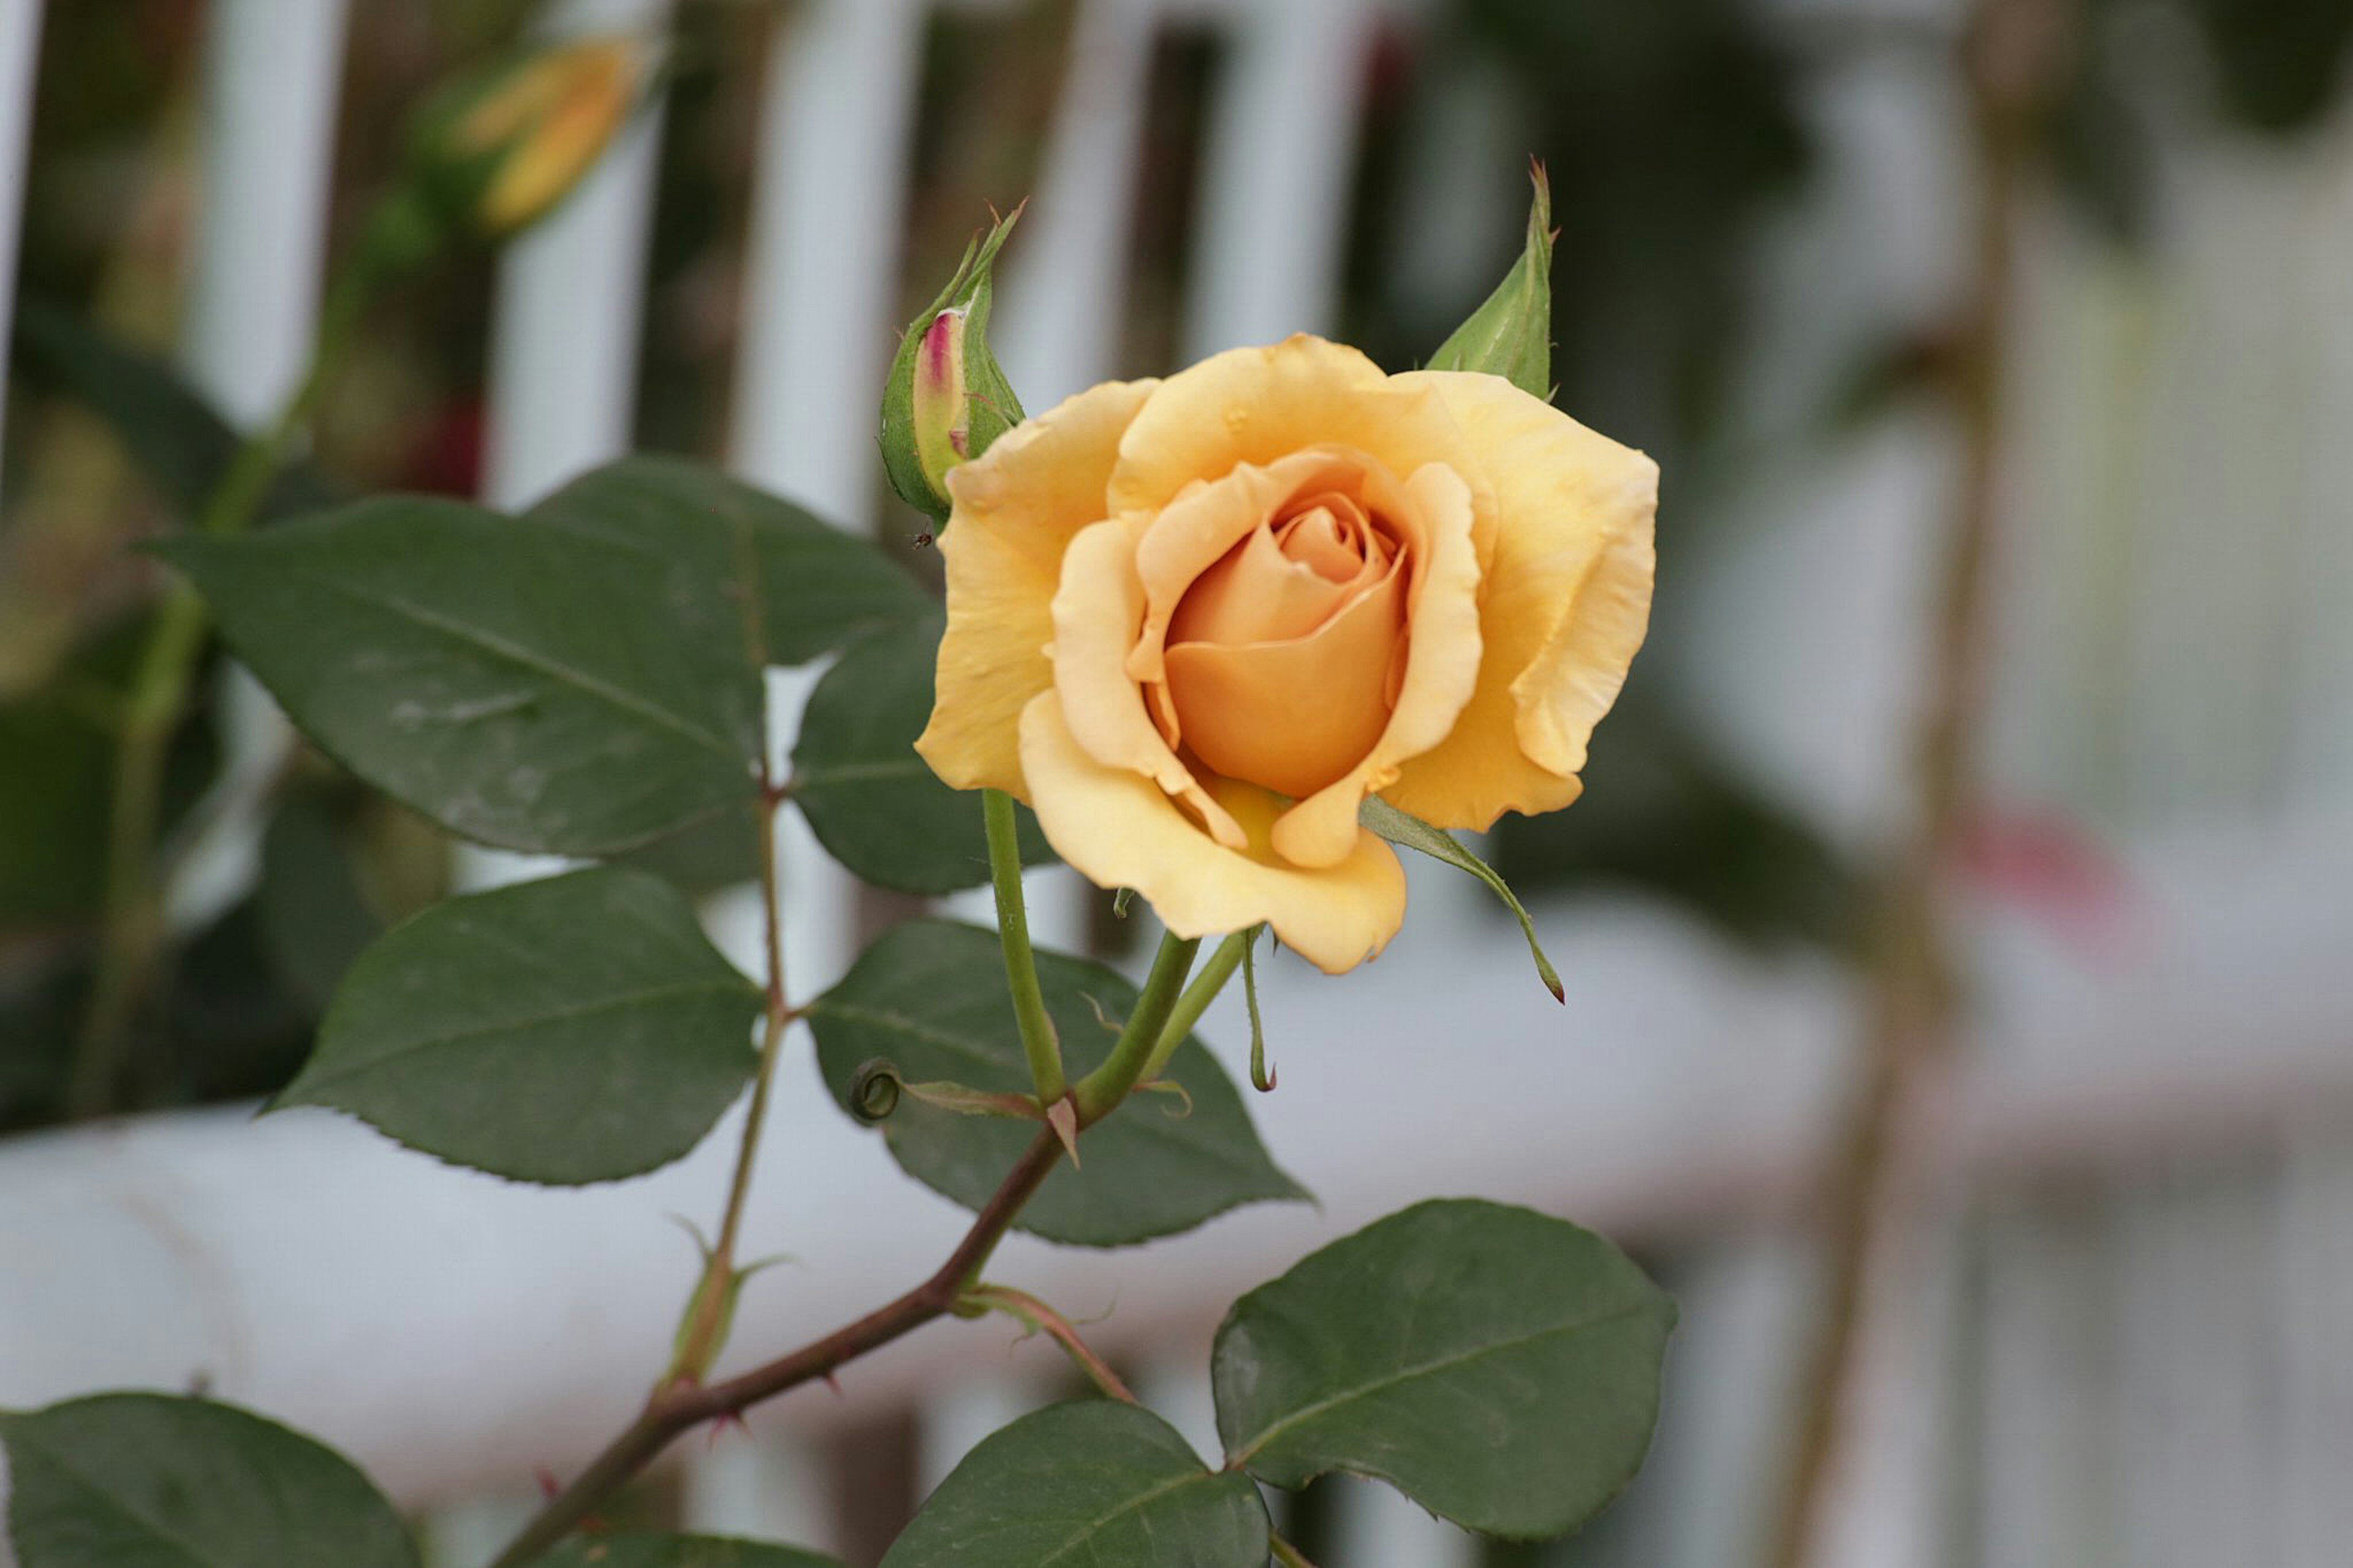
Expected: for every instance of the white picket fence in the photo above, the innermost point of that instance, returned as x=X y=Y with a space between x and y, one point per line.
x=453 y=1333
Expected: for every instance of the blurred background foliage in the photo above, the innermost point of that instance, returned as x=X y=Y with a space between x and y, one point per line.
x=1673 y=132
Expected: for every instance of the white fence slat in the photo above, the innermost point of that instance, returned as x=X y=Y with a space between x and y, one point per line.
x=570 y=303
x=816 y=340
x=1282 y=152
x=272 y=78
x=764 y=1485
x=20 y=50
x=564 y=335
x=1056 y=326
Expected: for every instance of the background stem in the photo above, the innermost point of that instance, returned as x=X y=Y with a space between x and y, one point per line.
x=131 y=927
x=2008 y=54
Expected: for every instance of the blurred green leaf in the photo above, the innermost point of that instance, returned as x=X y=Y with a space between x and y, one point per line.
x=991 y=406
x=930 y=997
x=1403 y=828
x=1662 y=814
x=817 y=587
x=535 y=688
x=1498 y=1366
x=1097 y=1482
x=179 y=442
x=2279 y=62
x=1510 y=334
x=875 y=806
x=572 y=1030
x=57 y=770
x=143 y=1480
x=610 y=1551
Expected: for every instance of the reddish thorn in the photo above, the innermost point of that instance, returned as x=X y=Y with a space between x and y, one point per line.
x=548 y=1485
x=833 y=1384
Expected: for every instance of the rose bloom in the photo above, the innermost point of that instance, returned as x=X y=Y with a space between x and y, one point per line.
x=1193 y=622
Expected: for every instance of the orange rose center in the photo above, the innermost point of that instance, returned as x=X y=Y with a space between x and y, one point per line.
x=1283 y=657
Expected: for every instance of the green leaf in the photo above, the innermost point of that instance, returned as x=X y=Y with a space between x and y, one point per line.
x=930 y=997
x=875 y=806
x=817 y=587
x=678 y=1552
x=314 y=921
x=1511 y=334
x=180 y=443
x=1498 y=1366
x=991 y=407
x=720 y=851
x=1095 y=1482
x=144 y=1480
x=572 y=1030
x=535 y=688
x=1403 y=828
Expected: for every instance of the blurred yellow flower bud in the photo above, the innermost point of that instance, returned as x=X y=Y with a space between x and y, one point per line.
x=541 y=126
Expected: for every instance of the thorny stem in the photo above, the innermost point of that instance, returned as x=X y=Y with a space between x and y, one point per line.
x=2011 y=49
x=131 y=928
x=1027 y=1308
x=696 y=1346
x=1038 y=1041
x=679 y=1405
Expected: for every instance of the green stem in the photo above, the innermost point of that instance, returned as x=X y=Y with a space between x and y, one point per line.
x=1100 y=1091
x=1038 y=1040
x=132 y=923
x=1287 y=1554
x=1224 y=960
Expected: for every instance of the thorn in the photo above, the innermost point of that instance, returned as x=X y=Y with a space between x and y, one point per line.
x=720 y=1423
x=1063 y=1118
x=548 y=1485
x=833 y=1384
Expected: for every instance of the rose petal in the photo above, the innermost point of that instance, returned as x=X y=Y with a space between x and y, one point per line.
x=1096 y=611
x=1441 y=626
x=1255 y=593
x=1017 y=507
x=1293 y=715
x=1189 y=536
x=1260 y=404
x=1565 y=609
x=1118 y=830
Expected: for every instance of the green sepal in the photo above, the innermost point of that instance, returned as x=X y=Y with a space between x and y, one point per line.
x=991 y=407
x=1403 y=827
x=1511 y=334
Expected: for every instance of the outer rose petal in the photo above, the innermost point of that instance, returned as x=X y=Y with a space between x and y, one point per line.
x=1095 y=613
x=1120 y=831
x=1260 y=404
x=1566 y=603
x=1018 y=506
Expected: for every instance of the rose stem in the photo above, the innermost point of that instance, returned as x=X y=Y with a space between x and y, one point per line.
x=1038 y=1041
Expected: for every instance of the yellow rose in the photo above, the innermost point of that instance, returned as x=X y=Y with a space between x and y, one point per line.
x=1193 y=622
